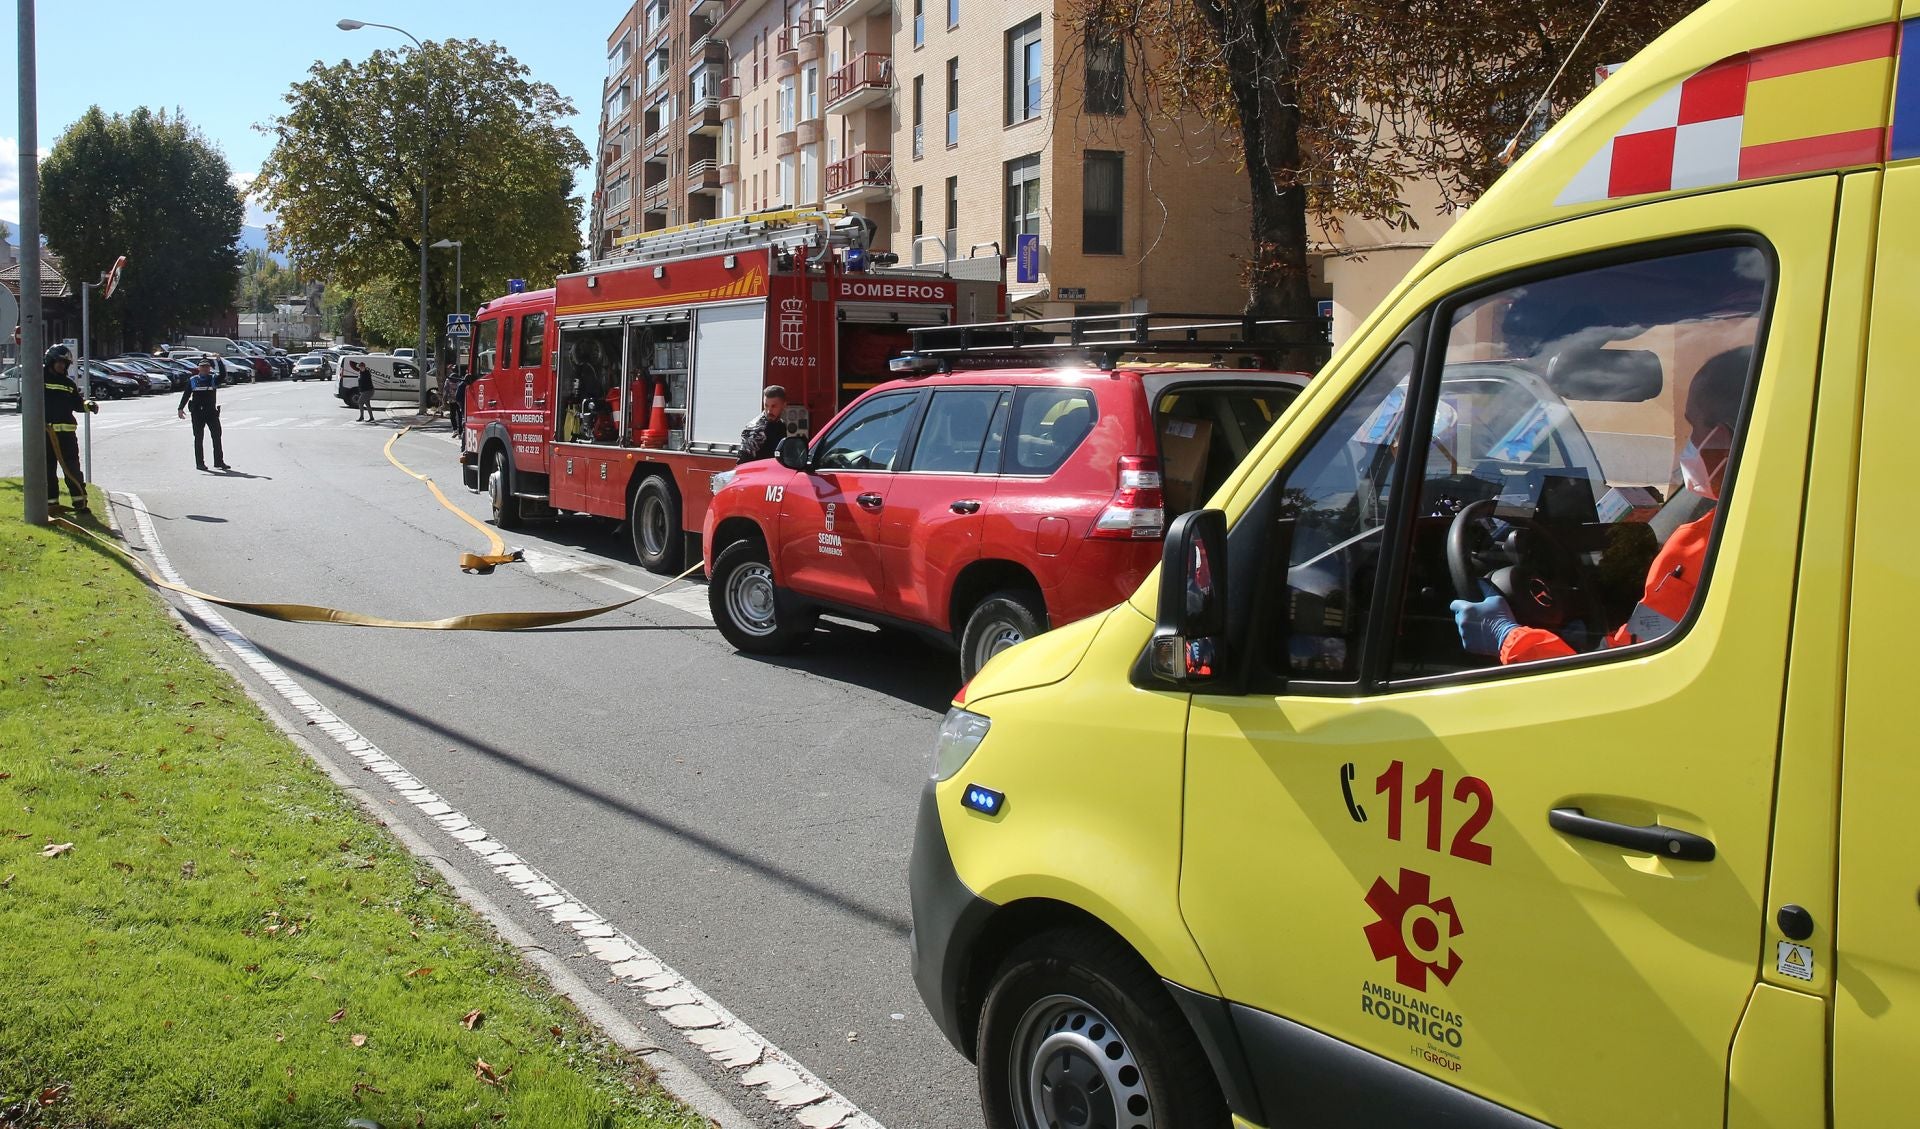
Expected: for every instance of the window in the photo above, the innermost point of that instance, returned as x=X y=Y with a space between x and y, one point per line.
x=618 y=193
x=953 y=14
x=953 y=213
x=1102 y=189
x=506 y=342
x=658 y=64
x=810 y=94
x=589 y=361
x=869 y=438
x=1106 y=73
x=1330 y=520
x=1584 y=425
x=1023 y=200
x=809 y=190
x=919 y=23
x=1023 y=72
x=953 y=102
x=919 y=115
x=1048 y=424
x=919 y=227
x=533 y=340
x=954 y=436
x=486 y=340
x=783 y=189
x=786 y=106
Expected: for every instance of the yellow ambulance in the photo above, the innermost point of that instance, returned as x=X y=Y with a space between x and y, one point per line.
x=1518 y=741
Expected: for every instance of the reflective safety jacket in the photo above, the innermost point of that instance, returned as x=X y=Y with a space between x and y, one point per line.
x=200 y=394
x=64 y=400
x=1671 y=584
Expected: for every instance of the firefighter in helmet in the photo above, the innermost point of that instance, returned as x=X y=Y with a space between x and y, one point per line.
x=63 y=400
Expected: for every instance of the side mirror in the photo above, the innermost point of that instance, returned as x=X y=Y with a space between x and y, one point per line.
x=1189 y=639
x=792 y=453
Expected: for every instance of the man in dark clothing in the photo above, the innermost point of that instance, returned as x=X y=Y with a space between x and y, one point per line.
x=762 y=437
x=457 y=398
x=363 y=389
x=202 y=398
x=63 y=399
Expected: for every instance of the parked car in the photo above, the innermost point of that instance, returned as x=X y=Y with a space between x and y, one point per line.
x=979 y=508
x=10 y=386
x=313 y=366
x=175 y=379
x=106 y=383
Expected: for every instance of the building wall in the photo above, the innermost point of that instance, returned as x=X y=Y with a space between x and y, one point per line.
x=1363 y=260
x=614 y=159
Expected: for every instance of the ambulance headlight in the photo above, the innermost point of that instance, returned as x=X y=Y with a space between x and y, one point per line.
x=721 y=481
x=960 y=734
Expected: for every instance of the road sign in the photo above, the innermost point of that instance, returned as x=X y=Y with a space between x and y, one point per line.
x=113 y=277
x=1324 y=308
x=458 y=323
x=1026 y=258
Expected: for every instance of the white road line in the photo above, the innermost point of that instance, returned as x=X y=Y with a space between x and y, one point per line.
x=238 y=422
x=735 y=1048
x=282 y=422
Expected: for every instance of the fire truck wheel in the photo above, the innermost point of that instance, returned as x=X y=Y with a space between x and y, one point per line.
x=1007 y=617
x=748 y=608
x=506 y=507
x=654 y=524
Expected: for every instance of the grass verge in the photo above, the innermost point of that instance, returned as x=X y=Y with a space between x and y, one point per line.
x=228 y=939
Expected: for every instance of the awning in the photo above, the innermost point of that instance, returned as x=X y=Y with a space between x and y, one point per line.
x=1028 y=297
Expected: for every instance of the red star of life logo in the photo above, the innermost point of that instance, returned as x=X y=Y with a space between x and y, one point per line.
x=1414 y=930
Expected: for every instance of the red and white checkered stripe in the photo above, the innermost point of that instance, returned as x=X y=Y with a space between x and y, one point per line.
x=1688 y=138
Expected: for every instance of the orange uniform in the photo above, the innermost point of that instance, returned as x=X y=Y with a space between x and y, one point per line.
x=1671 y=583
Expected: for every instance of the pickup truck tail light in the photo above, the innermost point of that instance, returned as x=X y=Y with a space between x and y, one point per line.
x=1138 y=511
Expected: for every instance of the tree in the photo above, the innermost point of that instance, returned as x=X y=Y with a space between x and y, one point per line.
x=1333 y=105
x=344 y=177
x=148 y=186
x=262 y=279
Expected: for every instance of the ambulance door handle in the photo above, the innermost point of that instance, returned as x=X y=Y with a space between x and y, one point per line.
x=868 y=501
x=1666 y=842
x=967 y=507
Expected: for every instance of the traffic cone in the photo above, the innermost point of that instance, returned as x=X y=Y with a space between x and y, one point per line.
x=656 y=433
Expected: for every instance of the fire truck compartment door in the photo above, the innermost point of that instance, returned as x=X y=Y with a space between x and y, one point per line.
x=882 y=313
x=729 y=369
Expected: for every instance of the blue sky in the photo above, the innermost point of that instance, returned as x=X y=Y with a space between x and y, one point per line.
x=226 y=65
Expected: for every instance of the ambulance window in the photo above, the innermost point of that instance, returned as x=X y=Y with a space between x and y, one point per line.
x=533 y=340
x=1330 y=521
x=486 y=345
x=1048 y=423
x=955 y=432
x=870 y=437
x=1582 y=427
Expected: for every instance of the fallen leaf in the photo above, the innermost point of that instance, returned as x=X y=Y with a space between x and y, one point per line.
x=250 y=968
x=358 y=1040
x=122 y=867
x=6 y=882
x=365 y=1088
x=53 y=1094
x=484 y=1071
x=55 y=850
x=472 y=1019
x=555 y=1031
x=337 y=1016
x=279 y=1036
x=421 y=972
x=6 y=776
x=186 y=869
x=291 y=1097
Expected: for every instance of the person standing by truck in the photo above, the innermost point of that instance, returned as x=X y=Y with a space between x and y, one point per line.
x=363 y=391
x=201 y=397
x=762 y=437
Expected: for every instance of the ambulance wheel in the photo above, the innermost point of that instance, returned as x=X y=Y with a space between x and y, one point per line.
x=1006 y=617
x=654 y=525
x=1077 y=1030
x=748 y=608
x=506 y=507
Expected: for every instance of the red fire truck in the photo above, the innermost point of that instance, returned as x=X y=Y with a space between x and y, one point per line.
x=623 y=389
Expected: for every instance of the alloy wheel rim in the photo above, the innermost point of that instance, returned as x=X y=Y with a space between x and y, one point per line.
x=750 y=600
x=1074 y=1070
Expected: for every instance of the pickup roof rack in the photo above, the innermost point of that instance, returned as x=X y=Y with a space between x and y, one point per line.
x=1100 y=339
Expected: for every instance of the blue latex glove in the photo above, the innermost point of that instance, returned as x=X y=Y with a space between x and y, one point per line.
x=1484 y=625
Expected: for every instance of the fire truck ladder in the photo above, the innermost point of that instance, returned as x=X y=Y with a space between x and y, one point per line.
x=790 y=228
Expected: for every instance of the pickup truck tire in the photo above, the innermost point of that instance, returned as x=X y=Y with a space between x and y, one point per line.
x=506 y=507
x=749 y=609
x=1077 y=1030
x=654 y=525
x=1004 y=618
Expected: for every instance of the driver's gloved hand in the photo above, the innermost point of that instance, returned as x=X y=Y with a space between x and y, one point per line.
x=1484 y=625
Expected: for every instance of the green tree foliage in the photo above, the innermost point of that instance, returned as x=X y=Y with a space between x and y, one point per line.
x=1334 y=105
x=344 y=178
x=148 y=186
x=262 y=279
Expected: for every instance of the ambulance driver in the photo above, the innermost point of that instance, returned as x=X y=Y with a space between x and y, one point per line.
x=1713 y=409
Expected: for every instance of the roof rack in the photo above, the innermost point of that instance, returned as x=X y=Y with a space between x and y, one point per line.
x=1103 y=339
x=786 y=227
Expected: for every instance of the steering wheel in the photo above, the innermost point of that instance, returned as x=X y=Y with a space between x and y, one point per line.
x=880 y=455
x=1538 y=598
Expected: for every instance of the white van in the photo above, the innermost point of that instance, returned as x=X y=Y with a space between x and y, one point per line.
x=218 y=346
x=395 y=380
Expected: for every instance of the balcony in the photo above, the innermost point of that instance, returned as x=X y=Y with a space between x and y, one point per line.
x=729 y=97
x=657 y=137
x=712 y=49
x=729 y=174
x=703 y=115
x=655 y=195
x=812 y=33
x=784 y=142
x=865 y=175
x=808 y=133
x=841 y=13
x=708 y=9
x=865 y=81
x=703 y=176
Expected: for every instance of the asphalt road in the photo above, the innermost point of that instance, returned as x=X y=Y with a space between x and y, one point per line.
x=747 y=820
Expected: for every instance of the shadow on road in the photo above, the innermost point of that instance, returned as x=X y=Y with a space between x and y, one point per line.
x=700 y=840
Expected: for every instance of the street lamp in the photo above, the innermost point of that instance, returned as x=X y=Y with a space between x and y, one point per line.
x=420 y=346
x=458 y=306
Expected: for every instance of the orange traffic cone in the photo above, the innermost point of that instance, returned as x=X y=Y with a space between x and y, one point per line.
x=656 y=433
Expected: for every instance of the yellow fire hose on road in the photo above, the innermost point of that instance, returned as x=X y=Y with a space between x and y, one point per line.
x=312 y=613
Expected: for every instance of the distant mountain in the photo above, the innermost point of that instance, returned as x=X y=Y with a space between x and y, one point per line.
x=255 y=239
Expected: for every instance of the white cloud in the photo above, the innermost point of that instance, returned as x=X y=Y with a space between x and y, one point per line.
x=257 y=216
x=10 y=179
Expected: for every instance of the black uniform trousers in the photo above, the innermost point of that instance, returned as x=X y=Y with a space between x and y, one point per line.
x=63 y=453
x=203 y=423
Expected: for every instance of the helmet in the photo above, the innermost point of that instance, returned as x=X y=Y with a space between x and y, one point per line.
x=58 y=353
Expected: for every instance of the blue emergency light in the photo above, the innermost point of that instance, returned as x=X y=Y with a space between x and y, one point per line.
x=986 y=801
x=856 y=259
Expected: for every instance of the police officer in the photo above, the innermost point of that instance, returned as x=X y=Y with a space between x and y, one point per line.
x=63 y=399
x=762 y=437
x=202 y=398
